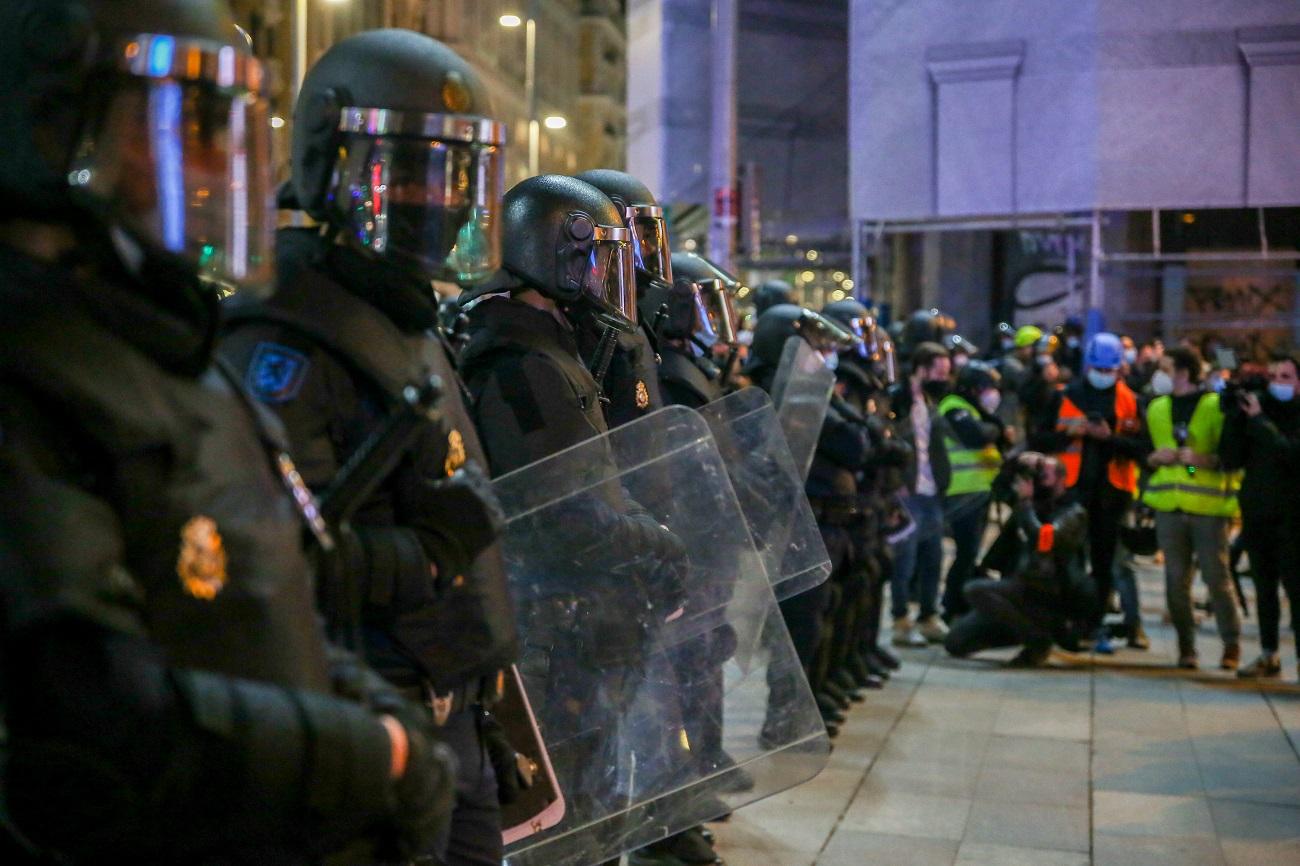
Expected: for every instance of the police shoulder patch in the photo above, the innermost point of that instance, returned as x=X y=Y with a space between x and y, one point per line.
x=642 y=395
x=276 y=373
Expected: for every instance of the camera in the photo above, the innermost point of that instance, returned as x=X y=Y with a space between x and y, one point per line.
x=1012 y=469
x=1230 y=400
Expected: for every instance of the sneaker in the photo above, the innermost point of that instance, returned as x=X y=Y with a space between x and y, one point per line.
x=1137 y=637
x=1231 y=659
x=932 y=629
x=1188 y=661
x=1267 y=665
x=1102 y=645
x=1031 y=657
x=906 y=634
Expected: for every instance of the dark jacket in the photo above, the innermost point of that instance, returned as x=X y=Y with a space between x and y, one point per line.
x=1097 y=454
x=356 y=333
x=162 y=655
x=1267 y=447
x=1057 y=579
x=685 y=380
x=901 y=420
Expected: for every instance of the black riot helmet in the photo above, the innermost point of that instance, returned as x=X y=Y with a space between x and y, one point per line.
x=778 y=324
x=976 y=377
x=566 y=239
x=142 y=121
x=716 y=290
x=876 y=345
x=770 y=293
x=925 y=326
x=642 y=215
x=394 y=148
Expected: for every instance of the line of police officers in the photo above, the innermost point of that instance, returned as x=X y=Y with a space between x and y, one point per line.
x=169 y=691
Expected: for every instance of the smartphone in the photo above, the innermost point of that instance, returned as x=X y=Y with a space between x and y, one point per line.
x=540 y=806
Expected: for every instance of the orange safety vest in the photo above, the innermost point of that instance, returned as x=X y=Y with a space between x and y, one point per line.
x=1122 y=473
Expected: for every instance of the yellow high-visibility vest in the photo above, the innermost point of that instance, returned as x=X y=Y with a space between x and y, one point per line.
x=973 y=469
x=1173 y=488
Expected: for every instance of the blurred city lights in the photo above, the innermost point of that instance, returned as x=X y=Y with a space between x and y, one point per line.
x=555 y=121
x=509 y=20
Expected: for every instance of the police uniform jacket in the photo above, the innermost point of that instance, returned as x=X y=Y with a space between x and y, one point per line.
x=167 y=690
x=330 y=354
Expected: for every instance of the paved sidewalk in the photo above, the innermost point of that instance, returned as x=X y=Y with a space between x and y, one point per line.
x=1121 y=760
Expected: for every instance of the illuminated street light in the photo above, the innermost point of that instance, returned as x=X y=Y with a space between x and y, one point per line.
x=811 y=255
x=555 y=121
x=510 y=20
x=808 y=276
x=848 y=285
x=277 y=122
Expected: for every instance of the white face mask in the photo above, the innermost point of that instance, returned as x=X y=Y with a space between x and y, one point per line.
x=832 y=360
x=1281 y=392
x=990 y=400
x=1130 y=356
x=1044 y=360
x=1162 y=383
x=1072 y=342
x=1100 y=380
x=1217 y=384
x=959 y=361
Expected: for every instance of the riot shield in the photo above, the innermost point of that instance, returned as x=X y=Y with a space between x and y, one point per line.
x=801 y=391
x=770 y=490
x=636 y=583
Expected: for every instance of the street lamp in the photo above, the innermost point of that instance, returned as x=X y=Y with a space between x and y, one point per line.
x=555 y=121
x=530 y=82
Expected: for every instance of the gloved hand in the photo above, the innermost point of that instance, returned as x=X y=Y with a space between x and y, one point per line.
x=666 y=566
x=423 y=795
x=514 y=772
x=458 y=517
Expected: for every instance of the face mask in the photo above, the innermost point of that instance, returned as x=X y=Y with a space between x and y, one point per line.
x=1130 y=356
x=1162 y=383
x=1282 y=393
x=935 y=390
x=832 y=360
x=1217 y=384
x=990 y=400
x=1101 y=381
x=960 y=361
x=1044 y=360
x=1072 y=342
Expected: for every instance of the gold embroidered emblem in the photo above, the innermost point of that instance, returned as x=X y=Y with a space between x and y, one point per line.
x=642 y=395
x=455 y=451
x=201 y=565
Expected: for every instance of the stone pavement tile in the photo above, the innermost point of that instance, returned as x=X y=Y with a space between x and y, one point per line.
x=1157 y=851
x=766 y=856
x=1257 y=835
x=896 y=813
x=1037 y=753
x=1063 y=828
x=978 y=719
x=1017 y=785
x=936 y=746
x=1156 y=768
x=1251 y=778
x=1120 y=813
x=1061 y=721
x=914 y=777
x=802 y=825
x=854 y=848
x=1285 y=701
x=981 y=854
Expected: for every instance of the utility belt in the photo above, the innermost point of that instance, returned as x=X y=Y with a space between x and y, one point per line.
x=484 y=692
x=836 y=511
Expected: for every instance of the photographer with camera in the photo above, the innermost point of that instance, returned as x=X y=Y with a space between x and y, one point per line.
x=1259 y=436
x=1044 y=592
x=1194 y=500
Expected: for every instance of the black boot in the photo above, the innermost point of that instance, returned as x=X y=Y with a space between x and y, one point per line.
x=883 y=657
x=849 y=684
x=835 y=693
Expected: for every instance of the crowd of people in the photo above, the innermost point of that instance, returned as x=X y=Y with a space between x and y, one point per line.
x=260 y=598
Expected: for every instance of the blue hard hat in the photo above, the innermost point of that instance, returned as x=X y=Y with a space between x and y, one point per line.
x=1104 y=350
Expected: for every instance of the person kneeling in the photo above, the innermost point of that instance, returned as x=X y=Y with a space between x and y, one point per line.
x=1044 y=591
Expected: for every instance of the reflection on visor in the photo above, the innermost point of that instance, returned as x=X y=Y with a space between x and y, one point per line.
x=650 y=242
x=717 y=313
x=609 y=279
x=183 y=165
x=823 y=335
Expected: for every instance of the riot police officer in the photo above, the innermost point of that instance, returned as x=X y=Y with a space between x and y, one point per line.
x=697 y=357
x=770 y=293
x=167 y=690
x=355 y=323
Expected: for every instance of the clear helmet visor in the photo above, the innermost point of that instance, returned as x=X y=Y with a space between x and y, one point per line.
x=716 y=317
x=609 y=276
x=824 y=335
x=650 y=241
x=179 y=156
x=424 y=201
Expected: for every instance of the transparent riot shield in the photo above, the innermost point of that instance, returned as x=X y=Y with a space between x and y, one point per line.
x=801 y=391
x=654 y=656
x=770 y=489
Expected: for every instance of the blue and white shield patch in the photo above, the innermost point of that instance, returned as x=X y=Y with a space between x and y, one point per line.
x=276 y=373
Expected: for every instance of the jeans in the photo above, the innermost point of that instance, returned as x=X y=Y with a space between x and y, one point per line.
x=1274 y=560
x=967 y=516
x=1127 y=587
x=919 y=556
x=1183 y=536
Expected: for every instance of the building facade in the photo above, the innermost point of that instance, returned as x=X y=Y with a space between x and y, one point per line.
x=1029 y=159
x=581 y=56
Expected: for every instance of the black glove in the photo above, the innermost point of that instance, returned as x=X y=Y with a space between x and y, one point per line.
x=423 y=798
x=458 y=517
x=663 y=564
x=514 y=772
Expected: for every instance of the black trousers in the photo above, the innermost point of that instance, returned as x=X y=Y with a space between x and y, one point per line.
x=1274 y=559
x=967 y=516
x=1003 y=613
x=474 y=837
x=1106 y=509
